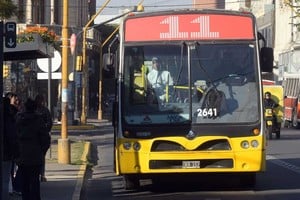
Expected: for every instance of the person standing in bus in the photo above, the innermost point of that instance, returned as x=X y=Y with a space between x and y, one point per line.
x=159 y=80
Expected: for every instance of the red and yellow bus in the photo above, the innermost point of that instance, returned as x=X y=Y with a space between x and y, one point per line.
x=207 y=115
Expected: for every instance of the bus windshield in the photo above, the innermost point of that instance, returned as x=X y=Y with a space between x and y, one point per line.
x=198 y=83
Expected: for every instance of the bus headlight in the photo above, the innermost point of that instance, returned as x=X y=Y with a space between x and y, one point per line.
x=136 y=146
x=254 y=143
x=127 y=145
x=245 y=144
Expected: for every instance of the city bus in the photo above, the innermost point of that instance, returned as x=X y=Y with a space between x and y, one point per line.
x=207 y=115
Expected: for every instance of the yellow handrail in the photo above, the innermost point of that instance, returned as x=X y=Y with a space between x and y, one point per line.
x=187 y=87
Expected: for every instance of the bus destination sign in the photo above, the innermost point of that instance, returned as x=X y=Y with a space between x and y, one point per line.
x=189 y=27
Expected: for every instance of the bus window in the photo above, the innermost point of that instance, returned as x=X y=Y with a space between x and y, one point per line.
x=142 y=97
x=227 y=76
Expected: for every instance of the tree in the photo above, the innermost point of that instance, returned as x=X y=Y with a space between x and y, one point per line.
x=295 y=6
x=8 y=9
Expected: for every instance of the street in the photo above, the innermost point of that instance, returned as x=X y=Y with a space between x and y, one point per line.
x=171 y=62
x=279 y=182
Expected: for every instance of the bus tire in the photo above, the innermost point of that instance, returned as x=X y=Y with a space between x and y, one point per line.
x=131 y=182
x=248 y=180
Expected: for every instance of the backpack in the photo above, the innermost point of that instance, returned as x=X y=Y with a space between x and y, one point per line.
x=214 y=98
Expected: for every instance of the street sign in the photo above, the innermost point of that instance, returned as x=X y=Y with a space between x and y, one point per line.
x=10 y=35
x=43 y=63
x=45 y=75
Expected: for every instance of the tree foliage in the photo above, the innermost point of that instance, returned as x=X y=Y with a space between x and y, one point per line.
x=295 y=6
x=8 y=9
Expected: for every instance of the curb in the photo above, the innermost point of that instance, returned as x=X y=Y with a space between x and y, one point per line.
x=75 y=127
x=90 y=126
x=82 y=171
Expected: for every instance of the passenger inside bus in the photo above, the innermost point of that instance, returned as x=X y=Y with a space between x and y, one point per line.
x=159 y=81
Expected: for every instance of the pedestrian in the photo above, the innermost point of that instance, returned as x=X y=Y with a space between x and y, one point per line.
x=9 y=147
x=14 y=108
x=47 y=118
x=33 y=141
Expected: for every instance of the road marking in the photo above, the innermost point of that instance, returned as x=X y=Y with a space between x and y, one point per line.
x=284 y=164
x=82 y=170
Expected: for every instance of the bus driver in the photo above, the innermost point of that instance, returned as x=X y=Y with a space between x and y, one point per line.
x=159 y=80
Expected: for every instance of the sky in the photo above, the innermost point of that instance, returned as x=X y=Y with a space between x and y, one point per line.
x=115 y=6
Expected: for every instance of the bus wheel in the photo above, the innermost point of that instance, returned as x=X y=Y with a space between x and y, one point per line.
x=248 y=180
x=131 y=182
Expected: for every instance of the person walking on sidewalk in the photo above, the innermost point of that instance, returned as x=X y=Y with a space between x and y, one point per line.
x=47 y=118
x=33 y=141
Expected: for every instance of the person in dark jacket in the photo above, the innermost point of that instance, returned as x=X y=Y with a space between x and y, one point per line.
x=47 y=118
x=270 y=103
x=9 y=146
x=14 y=108
x=33 y=141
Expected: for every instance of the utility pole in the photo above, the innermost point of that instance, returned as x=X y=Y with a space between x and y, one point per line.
x=85 y=68
x=64 y=143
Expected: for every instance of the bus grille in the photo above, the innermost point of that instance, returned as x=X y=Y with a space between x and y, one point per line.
x=177 y=164
x=213 y=145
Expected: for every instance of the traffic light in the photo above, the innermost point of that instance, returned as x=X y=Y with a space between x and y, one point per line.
x=5 y=71
x=79 y=63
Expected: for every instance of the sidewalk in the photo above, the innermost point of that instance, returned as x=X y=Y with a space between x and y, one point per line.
x=64 y=181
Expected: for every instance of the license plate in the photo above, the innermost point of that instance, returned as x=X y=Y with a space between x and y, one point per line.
x=191 y=164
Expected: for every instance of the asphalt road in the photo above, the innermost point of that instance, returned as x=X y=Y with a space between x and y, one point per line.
x=279 y=182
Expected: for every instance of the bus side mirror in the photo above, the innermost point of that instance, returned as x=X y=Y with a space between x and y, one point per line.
x=266 y=59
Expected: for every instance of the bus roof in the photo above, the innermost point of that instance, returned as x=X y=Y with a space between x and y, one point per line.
x=189 y=25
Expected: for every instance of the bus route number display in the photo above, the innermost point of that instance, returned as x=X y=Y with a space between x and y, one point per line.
x=189 y=27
